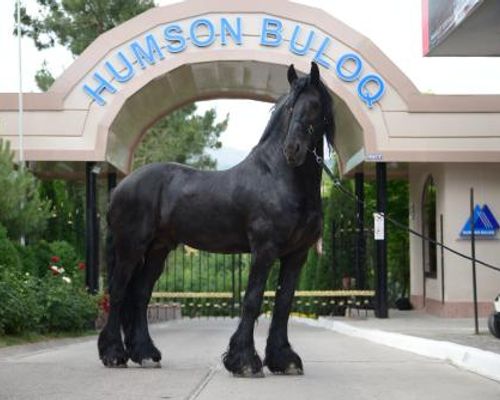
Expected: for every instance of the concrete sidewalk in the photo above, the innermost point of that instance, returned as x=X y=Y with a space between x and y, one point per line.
x=450 y=340
x=336 y=366
x=421 y=324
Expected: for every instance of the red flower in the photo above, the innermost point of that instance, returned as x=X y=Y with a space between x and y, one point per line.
x=104 y=303
x=81 y=266
x=55 y=259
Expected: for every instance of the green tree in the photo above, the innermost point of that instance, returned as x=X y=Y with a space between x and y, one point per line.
x=77 y=23
x=308 y=274
x=66 y=220
x=318 y=270
x=74 y=24
x=24 y=212
x=44 y=78
x=338 y=236
x=398 y=263
x=9 y=256
x=339 y=219
x=182 y=137
x=324 y=277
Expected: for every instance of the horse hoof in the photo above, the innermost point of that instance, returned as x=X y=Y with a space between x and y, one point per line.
x=150 y=363
x=146 y=355
x=283 y=362
x=293 y=369
x=111 y=351
x=247 y=372
x=114 y=362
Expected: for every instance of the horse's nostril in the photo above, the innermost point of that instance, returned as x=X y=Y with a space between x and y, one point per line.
x=297 y=148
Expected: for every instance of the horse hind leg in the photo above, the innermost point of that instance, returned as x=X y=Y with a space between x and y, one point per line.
x=110 y=345
x=127 y=318
x=140 y=346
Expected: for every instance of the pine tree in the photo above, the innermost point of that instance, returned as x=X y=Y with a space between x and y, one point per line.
x=23 y=211
x=182 y=137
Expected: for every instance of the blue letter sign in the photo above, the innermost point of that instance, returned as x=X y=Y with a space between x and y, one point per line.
x=172 y=39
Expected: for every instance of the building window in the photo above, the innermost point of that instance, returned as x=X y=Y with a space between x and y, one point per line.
x=429 y=228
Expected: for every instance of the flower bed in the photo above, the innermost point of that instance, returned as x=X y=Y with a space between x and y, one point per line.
x=53 y=302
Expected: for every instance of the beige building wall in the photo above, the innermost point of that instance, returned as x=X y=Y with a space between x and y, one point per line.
x=453 y=182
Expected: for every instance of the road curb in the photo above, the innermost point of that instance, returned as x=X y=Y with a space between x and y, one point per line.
x=484 y=363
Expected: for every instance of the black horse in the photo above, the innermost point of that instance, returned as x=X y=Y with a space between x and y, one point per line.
x=268 y=205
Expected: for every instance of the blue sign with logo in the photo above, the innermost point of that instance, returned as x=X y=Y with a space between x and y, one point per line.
x=485 y=223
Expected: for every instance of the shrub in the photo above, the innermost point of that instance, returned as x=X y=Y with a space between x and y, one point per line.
x=35 y=258
x=9 y=256
x=66 y=306
x=67 y=255
x=20 y=309
x=50 y=304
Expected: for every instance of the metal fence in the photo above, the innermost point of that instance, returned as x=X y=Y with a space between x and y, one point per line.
x=209 y=284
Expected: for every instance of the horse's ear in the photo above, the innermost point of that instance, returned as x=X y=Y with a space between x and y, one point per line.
x=292 y=75
x=314 y=74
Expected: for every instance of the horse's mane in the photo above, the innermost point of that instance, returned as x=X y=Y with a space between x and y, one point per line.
x=289 y=99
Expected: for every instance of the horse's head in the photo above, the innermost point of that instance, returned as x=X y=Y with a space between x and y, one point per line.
x=310 y=115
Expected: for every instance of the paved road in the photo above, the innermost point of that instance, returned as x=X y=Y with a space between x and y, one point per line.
x=336 y=367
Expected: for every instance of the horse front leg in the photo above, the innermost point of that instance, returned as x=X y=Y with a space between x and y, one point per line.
x=280 y=358
x=241 y=357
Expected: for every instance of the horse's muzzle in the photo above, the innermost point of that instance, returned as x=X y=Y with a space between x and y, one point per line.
x=294 y=155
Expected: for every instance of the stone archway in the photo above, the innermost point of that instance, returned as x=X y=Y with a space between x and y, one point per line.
x=238 y=67
x=240 y=50
x=69 y=125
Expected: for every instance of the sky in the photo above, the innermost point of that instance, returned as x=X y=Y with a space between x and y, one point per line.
x=393 y=25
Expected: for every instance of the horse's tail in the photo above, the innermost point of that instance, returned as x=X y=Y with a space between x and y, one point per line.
x=110 y=257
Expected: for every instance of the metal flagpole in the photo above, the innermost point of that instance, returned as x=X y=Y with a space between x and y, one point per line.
x=20 y=94
x=20 y=102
